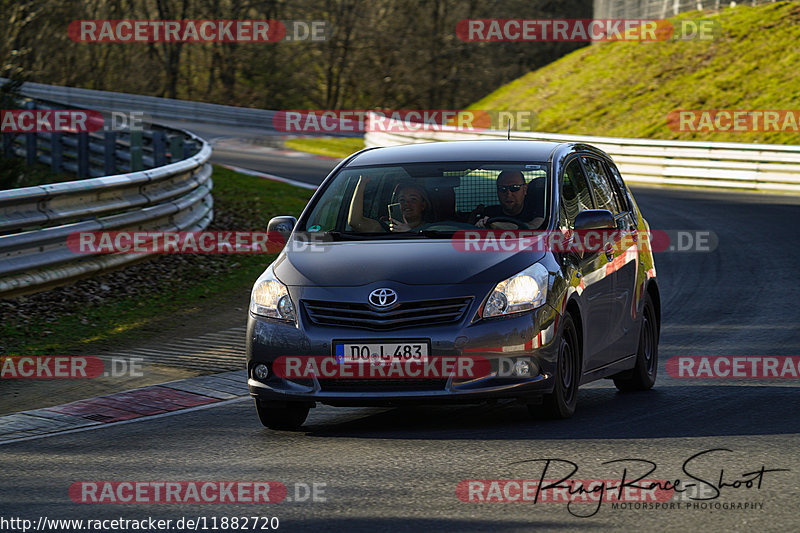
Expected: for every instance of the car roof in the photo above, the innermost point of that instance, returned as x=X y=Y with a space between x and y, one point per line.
x=486 y=150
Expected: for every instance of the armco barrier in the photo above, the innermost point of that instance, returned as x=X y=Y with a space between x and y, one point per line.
x=655 y=9
x=158 y=108
x=35 y=221
x=98 y=153
x=754 y=167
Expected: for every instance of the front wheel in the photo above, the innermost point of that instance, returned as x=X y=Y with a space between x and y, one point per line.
x=562 y=401
x=288 y=417
x=643 y=375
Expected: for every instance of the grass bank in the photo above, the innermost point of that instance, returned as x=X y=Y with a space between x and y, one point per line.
x=339 y=147
x=626 y=89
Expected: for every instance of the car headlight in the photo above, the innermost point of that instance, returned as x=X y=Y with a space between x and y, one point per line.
x=271 y=298
x=521 y=292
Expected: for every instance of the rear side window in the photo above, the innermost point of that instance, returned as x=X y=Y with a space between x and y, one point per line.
x=601 y=185
x=622 y=196
x=575 y=194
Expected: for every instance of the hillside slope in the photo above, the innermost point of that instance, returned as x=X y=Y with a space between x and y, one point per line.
x=626 y=89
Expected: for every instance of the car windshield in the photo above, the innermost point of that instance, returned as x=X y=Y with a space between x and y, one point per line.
x=430 y=199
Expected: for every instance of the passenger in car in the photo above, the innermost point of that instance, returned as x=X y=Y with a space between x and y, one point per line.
x=414 y=202
x=512 y=193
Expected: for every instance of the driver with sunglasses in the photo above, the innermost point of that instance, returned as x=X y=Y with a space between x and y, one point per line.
x=511 y=191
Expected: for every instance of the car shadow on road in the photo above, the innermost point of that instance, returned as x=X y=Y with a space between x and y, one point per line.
x=603 y=413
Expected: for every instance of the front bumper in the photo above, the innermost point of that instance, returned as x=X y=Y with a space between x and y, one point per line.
x=530 y=336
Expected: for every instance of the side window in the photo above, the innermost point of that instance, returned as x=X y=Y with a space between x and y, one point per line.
x=326 y=214
x=601 y=185
x=622 y=196
x=575 y=194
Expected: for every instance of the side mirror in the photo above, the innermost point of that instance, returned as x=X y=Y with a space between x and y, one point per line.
x=283 y=225
x=595 y=219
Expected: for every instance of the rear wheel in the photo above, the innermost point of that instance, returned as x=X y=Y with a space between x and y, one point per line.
x=281 y=417
x=643 y=375
x=562 y=401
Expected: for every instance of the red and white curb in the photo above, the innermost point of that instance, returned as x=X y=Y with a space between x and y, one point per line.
x=152 y=401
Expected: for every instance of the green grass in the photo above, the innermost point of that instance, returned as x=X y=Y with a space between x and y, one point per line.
x=244 y=202
x=626 y=89
x=340 y=147
x=121 y=319
x=252 y=201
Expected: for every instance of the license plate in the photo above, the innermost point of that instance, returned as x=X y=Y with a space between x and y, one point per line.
x=381 y=352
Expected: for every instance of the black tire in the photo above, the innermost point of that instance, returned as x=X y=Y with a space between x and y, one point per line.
x=283 y=417
x=562 y=401
x=643 y=375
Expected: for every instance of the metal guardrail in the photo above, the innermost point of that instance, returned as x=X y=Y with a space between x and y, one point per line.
x=36 y=221
x=754 y=167
x=157 y=108
x=163 y=108
x=659 y=9
x=98 y=153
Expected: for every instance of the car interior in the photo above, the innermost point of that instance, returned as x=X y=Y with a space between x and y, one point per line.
x=454 y=197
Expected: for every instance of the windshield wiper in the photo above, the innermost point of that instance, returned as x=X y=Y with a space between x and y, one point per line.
x=344 y=236
x=435 y=233
x=354 y=236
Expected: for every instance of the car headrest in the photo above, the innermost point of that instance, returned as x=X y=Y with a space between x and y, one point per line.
x=535 y=195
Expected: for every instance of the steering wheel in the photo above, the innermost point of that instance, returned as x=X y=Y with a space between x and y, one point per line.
x=520 y=224
x=445 y=225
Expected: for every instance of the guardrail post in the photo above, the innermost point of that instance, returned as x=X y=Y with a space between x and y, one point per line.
x=159 y=148
x=8 y=140
x=189 y=148
x=83 y=154
x=30 y=140
x=175 y=148
x=136 y=150
x=56 y=152
x=110 y=153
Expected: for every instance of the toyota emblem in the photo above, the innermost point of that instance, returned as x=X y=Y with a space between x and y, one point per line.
x=382 y=297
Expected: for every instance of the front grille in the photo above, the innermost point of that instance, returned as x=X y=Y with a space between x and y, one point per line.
x=381 y=385
x=404 y=315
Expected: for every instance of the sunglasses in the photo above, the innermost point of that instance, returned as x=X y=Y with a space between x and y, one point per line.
x=506 y=188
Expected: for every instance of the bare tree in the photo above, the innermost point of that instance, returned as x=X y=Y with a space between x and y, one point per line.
x=377 y=54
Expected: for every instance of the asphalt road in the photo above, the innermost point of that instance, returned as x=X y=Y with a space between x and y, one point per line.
x=259 y=150
x=398 y=469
